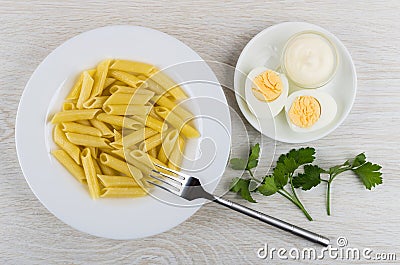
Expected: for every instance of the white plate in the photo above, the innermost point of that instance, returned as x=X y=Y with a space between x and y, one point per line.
x=59 y=192
x=265 y=49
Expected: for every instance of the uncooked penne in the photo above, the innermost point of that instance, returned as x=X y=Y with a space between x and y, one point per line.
x=61 y=140
x=74 y=115
x=123 y=192
x=87 y=86
x=84 y=122
x=79 y=128
x=133 y=67
x=105 y=131
x=76 y=89
x=168 y=144
x=141 y=110
x=95 y=102
x=120 y=121
x=129 y=79
x=117 y=181
x=68 y=106
x=108 y=82
x=139 y=97
x=100 y=78
x=90 y=173
x=170 y=117
x=117 y=135
x=134 y=138
x=107 y=170
x=175 y=159
x=152 y=123
x=87 y=140
x=122 y=89
x=70 y=165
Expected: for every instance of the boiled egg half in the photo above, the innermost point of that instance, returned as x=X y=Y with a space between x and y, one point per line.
x=266 y=92
x=310 y=110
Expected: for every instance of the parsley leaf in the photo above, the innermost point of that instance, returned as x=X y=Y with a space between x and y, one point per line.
x=309 y=179
x=359 y=160
x=268 y=186
x=253 y=157
x=301 y=156
x=238 y=163
x=241 y=186
x=369 y=174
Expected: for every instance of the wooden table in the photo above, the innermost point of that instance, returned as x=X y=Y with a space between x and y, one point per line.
x=217 y=31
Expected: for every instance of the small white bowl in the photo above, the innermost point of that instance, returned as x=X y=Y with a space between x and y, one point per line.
x=265 y=49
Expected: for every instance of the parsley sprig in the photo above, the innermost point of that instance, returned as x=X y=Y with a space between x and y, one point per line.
x=286 y=178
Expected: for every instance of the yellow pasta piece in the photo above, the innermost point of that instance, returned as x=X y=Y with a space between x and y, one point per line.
x=153 y=86
x=168 y=84
x=153 y=152
x=108 y=82
x=79 y=128
x=120 y=121
x=96 y=165
x=68 y=106
x=87 y=85
x=119 y=152
x=117 y=135
x=141 y=110
x=87 y=140
x=170 y=117
x=121 y=166
x=180 y=111
x=134 y=138
x=76 y=89
x=74 y=115
x=176 y=156
x=117 y=181
x=152 y=123
x=61 y=140
x=129 y=79
x=100 y=78
x=84 y=122
x=94 y=151
x=150 y=143
x=168 y=144
x=124 y=192
x=122 y=89
x=107 y=170
x=139 y=97
x=132 y=66
x=95 y=102
x=105 y=131
x=70 y=165
x=90 y=173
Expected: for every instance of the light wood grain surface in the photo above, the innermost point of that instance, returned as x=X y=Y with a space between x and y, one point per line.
x=29 y=30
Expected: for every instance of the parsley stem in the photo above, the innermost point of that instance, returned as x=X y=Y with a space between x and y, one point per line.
x=328 y=197
x=252 y=176
x=295 y=201
x=299 y=204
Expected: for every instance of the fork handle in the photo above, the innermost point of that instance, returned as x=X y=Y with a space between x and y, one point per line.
x=313 y=237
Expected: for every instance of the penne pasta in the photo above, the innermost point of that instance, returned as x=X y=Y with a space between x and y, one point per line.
x=61 y=140
x=169 y=104
x=139 y=97
x=152 y=123
x=107 y=170
x=68 y=106
x=108 y=82
x=169 y=85
x=121 y=166
x=153 y=152
x=96 y=165
x=87 y=140
x=105 y=131
x=133 y=67
x=76 y=89
x=129 y=79
x=87 y=85
x=90 y=173
x=134 y=138
x=79 y=128
x=95 y=102
x=94 y=151
x=118 y=152
x=70 y=165
x=176 y=156
x=74 y=115
x=120 y=121
x=123 y=192
x=141 y=110
x=117 y=181
x=170 y=117
x=153 y=86
x=122 y=89
x=168 y=144
x=117 y=135
x=150 y=143
x=100 y=78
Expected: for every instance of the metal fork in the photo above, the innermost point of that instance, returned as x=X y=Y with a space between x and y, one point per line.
x=190 y=188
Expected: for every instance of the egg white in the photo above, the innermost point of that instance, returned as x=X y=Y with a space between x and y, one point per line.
x=328 y=109
x=262 y=109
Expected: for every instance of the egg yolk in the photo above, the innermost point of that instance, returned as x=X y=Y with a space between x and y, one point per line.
x=268 y=86
x=305 y=111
